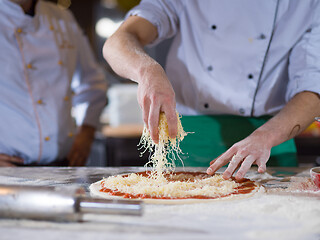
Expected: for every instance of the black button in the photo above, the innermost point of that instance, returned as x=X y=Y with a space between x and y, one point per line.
x=210 y=68
x=206 y=105
x=213 y=27
x=262 y=36
x=250 y=76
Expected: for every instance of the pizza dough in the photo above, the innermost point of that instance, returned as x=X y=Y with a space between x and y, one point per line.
x=183 y=188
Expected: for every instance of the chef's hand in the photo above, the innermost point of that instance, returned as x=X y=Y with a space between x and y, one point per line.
x=255 y=149
x=81 y=147
x=9 y=161
x=155 y=95
x=296 y=116
x=124 y=51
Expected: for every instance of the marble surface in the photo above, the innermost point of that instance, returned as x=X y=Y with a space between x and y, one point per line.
x=283 y=212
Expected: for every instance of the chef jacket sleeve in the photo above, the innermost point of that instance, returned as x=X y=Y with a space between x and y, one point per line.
x=89 y=83
x=304 y=61
x=163 y=14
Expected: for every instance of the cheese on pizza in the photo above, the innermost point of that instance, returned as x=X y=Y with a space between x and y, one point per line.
x=171 y=186
x=162 y=182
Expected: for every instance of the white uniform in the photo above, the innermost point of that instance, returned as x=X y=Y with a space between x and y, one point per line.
x=46 y=67
x=244 y=58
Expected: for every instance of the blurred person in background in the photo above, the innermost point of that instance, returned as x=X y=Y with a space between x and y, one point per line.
x=47 y=67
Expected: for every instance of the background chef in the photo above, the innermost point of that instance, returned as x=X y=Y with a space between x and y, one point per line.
x=46 y=68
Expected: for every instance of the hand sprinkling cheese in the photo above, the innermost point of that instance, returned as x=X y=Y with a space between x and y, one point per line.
x=161 y=181
x=166 y=149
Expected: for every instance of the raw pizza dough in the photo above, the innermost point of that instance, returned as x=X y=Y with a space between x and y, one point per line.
x=95 y=191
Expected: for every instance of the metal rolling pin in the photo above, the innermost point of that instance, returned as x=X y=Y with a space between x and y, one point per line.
x=58 y=203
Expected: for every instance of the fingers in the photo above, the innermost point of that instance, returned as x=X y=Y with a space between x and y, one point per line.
x=75 y=156
x=7 y=164
x=262 y=161
x=242 y=155
x=72 y=158
x=145 y=109
x=77 y=159
x=154 y=122
x=237 y=161
x=262 y=168
x=154 y=96
x=215 y=159
x=81 y=146
x=221 y=161
x=16 y=160
x=10 y=161
x=144 y=103
x=79 y=151
x=233 y=165
x=245 y=166
x=262 y=165
x=172 y=120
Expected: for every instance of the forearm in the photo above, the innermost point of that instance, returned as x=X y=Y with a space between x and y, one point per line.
x=297 y=115
x=125 y=54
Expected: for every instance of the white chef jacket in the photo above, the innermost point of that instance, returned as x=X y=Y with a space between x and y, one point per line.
x=244 y=58
x=46 y=67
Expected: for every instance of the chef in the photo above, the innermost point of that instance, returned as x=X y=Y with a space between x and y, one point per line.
x=245 y=75
x=46 y=68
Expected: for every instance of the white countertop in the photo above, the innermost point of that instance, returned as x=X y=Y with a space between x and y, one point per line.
x=282 y=213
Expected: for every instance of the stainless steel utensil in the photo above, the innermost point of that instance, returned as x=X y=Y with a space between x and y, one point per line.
x=317 y=119
x=58 y=203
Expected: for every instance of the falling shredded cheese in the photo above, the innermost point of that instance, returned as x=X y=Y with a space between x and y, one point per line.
x=165 y=152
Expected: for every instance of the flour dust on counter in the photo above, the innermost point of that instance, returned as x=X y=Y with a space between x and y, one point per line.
x=264 y=217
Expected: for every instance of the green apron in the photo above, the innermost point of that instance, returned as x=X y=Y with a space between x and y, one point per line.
x=210 y=136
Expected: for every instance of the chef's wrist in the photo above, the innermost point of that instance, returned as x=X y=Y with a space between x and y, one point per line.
x=149 y=71
x=268 y=137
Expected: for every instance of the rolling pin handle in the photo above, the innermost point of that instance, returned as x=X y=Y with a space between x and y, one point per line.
x=110 y=206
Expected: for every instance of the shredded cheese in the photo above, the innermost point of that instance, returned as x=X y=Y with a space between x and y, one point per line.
x=159 y=187
x=163 y=155
x=165 y=152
